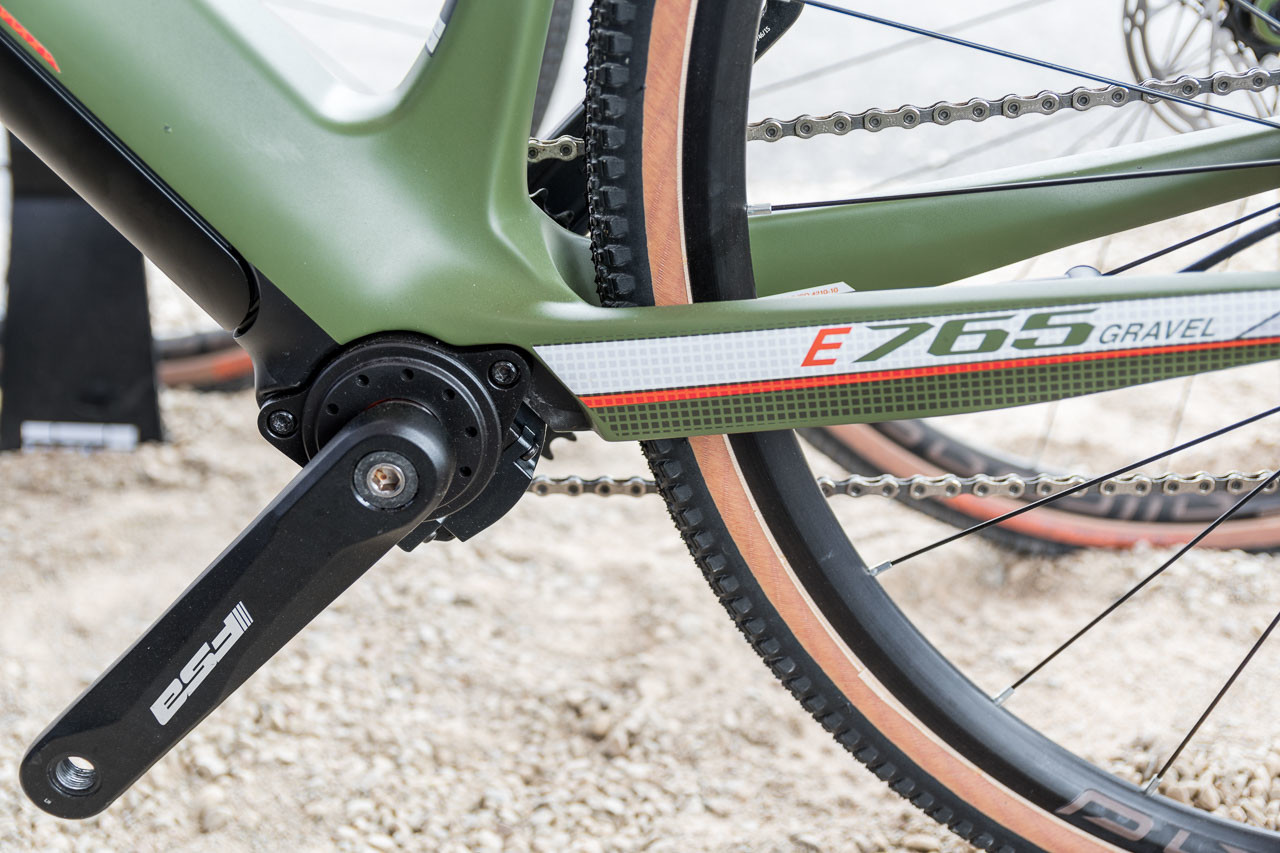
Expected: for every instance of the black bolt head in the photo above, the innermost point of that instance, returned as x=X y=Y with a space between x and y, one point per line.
x=282 y=424
x=504 y=374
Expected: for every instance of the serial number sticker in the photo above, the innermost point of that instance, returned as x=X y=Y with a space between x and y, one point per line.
x=836 y=288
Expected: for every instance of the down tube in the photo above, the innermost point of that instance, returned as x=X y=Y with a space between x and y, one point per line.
x=766 y=364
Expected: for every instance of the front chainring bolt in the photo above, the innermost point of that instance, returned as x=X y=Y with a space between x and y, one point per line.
x=504 y=374
x=281 y=423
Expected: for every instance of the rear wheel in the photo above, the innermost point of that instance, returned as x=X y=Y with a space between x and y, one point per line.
x=668 y=86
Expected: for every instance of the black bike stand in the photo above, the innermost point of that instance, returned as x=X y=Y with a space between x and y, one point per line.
x=78 y=367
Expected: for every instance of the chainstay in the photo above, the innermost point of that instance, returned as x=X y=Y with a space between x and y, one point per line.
x=908 y=117
x=921 y=487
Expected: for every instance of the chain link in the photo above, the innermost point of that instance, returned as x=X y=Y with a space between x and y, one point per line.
x=921 y=487
x=605 y=487
x=560 y=148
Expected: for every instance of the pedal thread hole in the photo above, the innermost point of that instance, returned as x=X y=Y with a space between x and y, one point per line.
x=75 y=775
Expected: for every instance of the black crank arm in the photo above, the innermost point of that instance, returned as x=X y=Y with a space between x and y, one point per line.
x=374 y=482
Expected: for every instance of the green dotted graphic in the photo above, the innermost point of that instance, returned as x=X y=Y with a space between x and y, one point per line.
x=915 y=397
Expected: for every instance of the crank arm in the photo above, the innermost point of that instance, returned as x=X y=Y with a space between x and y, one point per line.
x=373 y=483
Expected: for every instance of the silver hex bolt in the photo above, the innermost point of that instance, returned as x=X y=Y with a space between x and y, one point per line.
x=385 y=480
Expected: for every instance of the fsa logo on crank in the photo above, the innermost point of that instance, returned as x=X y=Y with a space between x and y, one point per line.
x=201 y=664
x=1132 y=825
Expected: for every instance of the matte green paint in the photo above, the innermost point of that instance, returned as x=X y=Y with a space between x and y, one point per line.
x=409 y=210
x=406 y=210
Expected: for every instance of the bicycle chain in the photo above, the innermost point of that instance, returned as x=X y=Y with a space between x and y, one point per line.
x=909 y=117
x=921 y=487
x=1079 y=99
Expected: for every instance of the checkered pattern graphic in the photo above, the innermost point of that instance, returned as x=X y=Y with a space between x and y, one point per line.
x=913 y=397
x=609 y=367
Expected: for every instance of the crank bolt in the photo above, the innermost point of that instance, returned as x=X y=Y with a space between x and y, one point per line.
x=504 y=374
x=282 y=424
x=385 y=480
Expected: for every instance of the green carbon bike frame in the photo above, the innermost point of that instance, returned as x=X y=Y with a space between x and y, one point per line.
x=409 y=211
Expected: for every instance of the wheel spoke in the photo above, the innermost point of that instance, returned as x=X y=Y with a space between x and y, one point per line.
x=1142 y=584
x=1155 y=780
x=1041 y=63
x=1184 y=397
x=1176 y=53
x=890 y=50
x=1235 y=247
x=1051 y=417
x=1192 y=240
x=1172 y=4
x=1029 y=185
x=1130 y=123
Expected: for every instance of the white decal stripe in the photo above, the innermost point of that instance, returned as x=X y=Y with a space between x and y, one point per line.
x=607 y=367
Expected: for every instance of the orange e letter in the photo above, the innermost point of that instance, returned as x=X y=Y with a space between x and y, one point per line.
x=820 y=343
